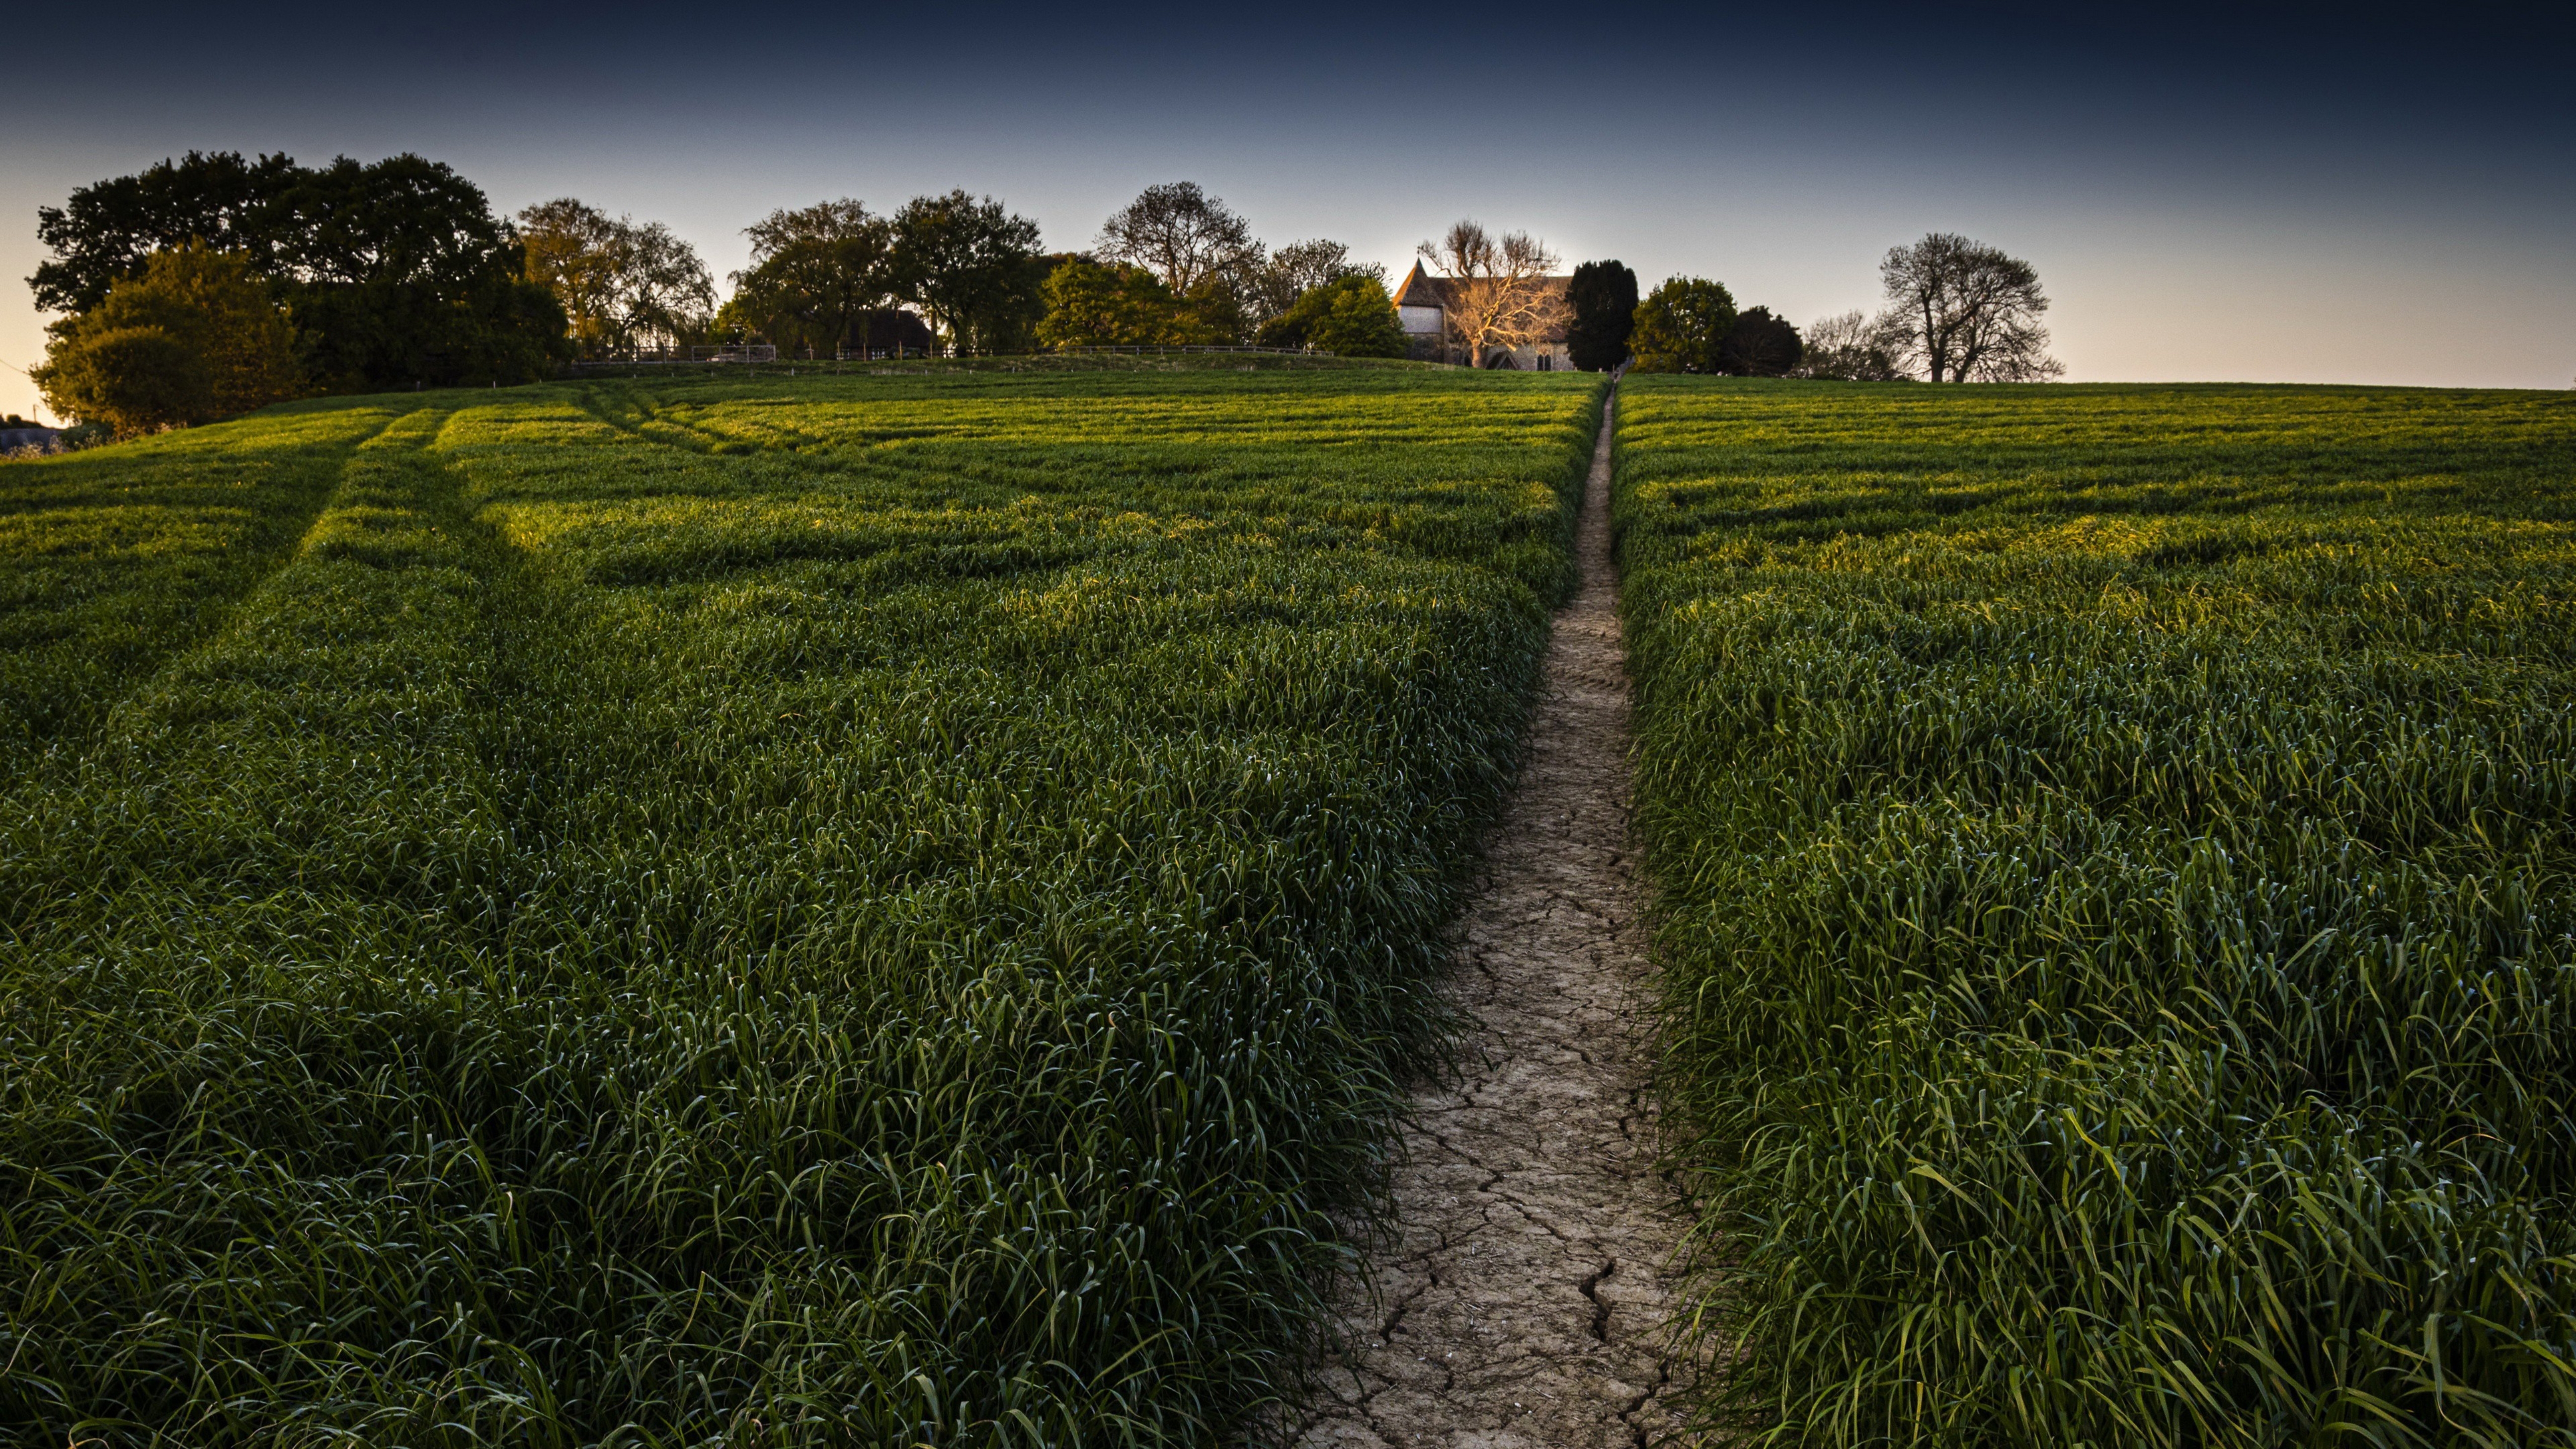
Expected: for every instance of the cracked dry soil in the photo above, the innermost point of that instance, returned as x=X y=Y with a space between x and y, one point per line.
x=1520 y=1299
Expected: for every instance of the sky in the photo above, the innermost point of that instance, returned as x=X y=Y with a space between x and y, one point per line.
x=2220 y=193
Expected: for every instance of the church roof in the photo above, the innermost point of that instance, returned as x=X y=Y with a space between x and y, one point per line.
x=1420 y=289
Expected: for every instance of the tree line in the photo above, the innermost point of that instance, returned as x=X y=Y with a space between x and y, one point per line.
x=210 y=286
x=959 y=275
x=1177 y=266
x=1956 y=311
x=213 y=285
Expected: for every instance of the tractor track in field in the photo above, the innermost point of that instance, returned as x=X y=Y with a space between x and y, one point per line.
x=1521 y=1292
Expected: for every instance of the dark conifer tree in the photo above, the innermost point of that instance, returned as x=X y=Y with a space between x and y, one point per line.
x=1604 y=297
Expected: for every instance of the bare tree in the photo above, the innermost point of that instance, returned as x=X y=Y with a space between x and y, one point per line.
x=1963 y=311
x=1850 y=348
x=1497 y=292
x=1180 y=234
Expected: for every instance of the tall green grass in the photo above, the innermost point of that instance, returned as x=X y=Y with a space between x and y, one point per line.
x=2116 y=847
x=768 y=912
x=117 y=561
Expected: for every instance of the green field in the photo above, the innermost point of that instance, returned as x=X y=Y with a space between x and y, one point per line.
x=748 y=911
x=2116 y=855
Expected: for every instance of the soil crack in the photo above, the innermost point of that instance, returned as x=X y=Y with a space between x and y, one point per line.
x=1600 y=1306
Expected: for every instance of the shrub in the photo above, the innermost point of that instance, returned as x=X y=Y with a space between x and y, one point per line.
x=1091 y=304
x=224 y=348
x=132 y=379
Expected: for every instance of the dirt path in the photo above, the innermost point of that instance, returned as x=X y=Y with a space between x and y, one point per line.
x=1520 y=1303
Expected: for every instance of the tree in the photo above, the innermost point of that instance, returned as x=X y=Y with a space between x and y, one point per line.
x=1849 y=348
x=1179 y=233
x=570 y=250
x=1681 y=325
x=398 y=272
x=665 y=290
x=1498 y=296
x=1603 y=296
x=974 y=268
x=1274 y=284
x=620 y=285
x=1759 y=345
x=816 y=275
x=192 y=339
x=393 y=272
x=1963 y=311
x=1095 y=304
x=1349 y=316
x=103 y=233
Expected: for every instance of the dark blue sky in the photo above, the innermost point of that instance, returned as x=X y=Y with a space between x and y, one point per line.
x=2244 y=192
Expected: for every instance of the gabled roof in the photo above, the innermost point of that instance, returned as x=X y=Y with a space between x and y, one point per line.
x=1421 y=289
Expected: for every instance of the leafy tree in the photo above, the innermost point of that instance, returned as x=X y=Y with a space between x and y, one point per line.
x=393 y=272
x=1271 y=285
x=399 y=272
x=1205 y=253
x=1604 y=298
x=1096 y=304
x=1681 y=325
x=1759 y=345
x=1217 y=308
x=974 y=268
x=620 y=285
x=817 y=275
x=1350 y=316
x=569 y=249
x=1963 y=311
x=1360 y=320
x=192 y=303
x=103 y=233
